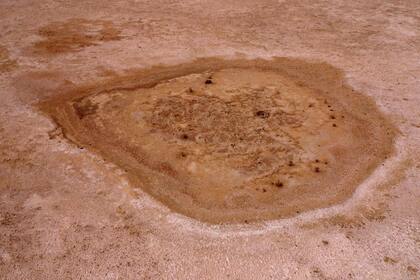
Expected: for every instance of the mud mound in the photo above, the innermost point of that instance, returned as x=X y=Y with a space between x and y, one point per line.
x=232 y=141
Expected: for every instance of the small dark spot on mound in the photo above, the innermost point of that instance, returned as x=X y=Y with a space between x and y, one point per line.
x=316 y=270
x=389 y=260
x=208 y=82
x=334 y=125
x=291 y=163
x=84 y=109
x=317 y=170
x=325 y=242
x=279 y=184
x=262 y=114
x=184 y=136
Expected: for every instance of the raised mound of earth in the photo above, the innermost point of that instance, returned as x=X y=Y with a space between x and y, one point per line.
x=232 y=142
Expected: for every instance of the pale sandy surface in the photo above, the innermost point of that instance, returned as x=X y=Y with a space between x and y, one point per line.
x=67 y=214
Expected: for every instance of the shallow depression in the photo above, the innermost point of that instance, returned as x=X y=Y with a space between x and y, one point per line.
x=232 y=141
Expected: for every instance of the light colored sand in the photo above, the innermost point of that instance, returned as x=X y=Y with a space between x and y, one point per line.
x=66 y=213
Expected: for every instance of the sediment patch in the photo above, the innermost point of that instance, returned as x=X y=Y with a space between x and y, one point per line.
x=73 y=35
x=232 y=141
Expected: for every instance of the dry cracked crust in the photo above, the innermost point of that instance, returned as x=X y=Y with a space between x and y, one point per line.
x=232 y=141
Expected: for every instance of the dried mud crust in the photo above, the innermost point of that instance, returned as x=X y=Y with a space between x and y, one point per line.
x=232 y=141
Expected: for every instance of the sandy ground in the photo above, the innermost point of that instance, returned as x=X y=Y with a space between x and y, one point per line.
x=66 y=213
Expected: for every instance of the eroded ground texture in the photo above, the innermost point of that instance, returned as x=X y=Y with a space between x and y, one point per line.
x=209 y=139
